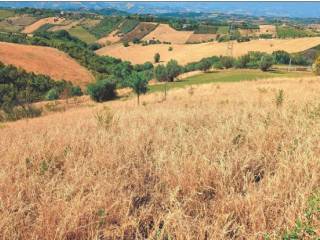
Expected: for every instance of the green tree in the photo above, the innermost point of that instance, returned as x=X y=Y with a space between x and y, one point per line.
x=102 y=90
x=160 y=73
x=173 y=70
x=316 y=66
x=281 y=57
x=139 y=84
x=52 y=94
x=266 y=63
x=156 y=58
x=205 y=65
x=227 y=62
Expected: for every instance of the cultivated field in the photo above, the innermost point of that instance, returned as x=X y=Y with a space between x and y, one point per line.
x=44 y=60
x=165 y=33
x=113 y=37
x=33 y=27
x=185 y=53
x=66 y=25
x=82 y=34
x=268 y=29
x=139 y=31
x=219 y=161
x=198 y=38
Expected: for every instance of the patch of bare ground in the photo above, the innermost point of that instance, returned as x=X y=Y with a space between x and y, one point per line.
x=220 y=161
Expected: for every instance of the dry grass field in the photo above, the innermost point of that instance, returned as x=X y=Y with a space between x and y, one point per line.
x=36 y=25
x=185 y=53
x=165 y=33
x=198 y=38
x=110 y=38
x=45 y=60
x=268 y=29
x=219 y=161
x=66 y=25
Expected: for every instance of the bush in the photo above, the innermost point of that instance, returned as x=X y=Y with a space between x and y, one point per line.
x=266 y=63
x=170 y=49
x=102 y=90
x=227 y=62
x=16 y=113
x=52 y=94
x=281 y=57
x=156 y=58
x=94 y=46
x=160 y=73
x=173 y=70
x=205 y=65
x=126 y=44
x=76 y=91
x=316 y=66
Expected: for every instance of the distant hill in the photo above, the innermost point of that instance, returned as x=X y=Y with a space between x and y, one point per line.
x=274 y=9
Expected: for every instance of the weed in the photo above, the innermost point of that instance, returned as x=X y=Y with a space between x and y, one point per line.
x=279 y=98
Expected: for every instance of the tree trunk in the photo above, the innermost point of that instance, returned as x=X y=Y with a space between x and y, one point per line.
x=165 y=91
x=138 y=98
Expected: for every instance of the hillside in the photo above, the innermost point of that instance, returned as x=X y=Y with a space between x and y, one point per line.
x=164 y=33
x=185 y=53
x=36 y=25
x=45 y=60
x=219 y=161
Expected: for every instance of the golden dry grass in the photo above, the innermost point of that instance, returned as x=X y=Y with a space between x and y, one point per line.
x=165 y=33
x=211 y=162
x=34 y=26
x=45 y=60
x=110 y=38
x=268 y=29
x=198 y=38
x=185 y=53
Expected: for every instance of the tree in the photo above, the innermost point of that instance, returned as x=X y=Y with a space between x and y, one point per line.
x=156 y=58
x=281 y=57
x=139 y=84
x=227 y=62
x=102 y=90
x=52 y=94
x=173 y=70
x=160 y=73
x=266 y=63
x=205 y=65
x=316 y=66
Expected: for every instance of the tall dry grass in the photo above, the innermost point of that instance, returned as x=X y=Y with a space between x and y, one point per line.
x=224 y=162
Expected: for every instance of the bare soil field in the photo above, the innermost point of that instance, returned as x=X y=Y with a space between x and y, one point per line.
x=139 y=31
x=165 y=33
x=218 y=161
x=33 y=27
x=185 y=53
x=199 y=38
x=45 y=60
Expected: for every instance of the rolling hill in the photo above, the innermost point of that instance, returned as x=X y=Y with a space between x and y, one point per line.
x=45 y=60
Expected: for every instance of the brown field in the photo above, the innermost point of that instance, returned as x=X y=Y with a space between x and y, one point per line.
x=44 y=60
x=21 y=20
x=185 y=53
x=33 y=27
x=249 y=32
x=139 y=31
x=111 y=38
x=165 y=33
x=211 y=162
x=198 y=38
x=268 y=29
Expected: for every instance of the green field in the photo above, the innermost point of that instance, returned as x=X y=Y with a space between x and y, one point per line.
x=227 y=76
x=4 y=13
x=82 y=34
x=223 y=30
x=291 y=32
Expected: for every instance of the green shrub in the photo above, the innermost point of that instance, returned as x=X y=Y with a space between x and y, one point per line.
x=227 y=62
x=126 y=44
x=281 y=57
x=16 y=113
x=52 y=94
x=76 y=91
x=316 y=66
x=266 y=63
x=170 y=49
x=102 y=90
x=156 y=58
